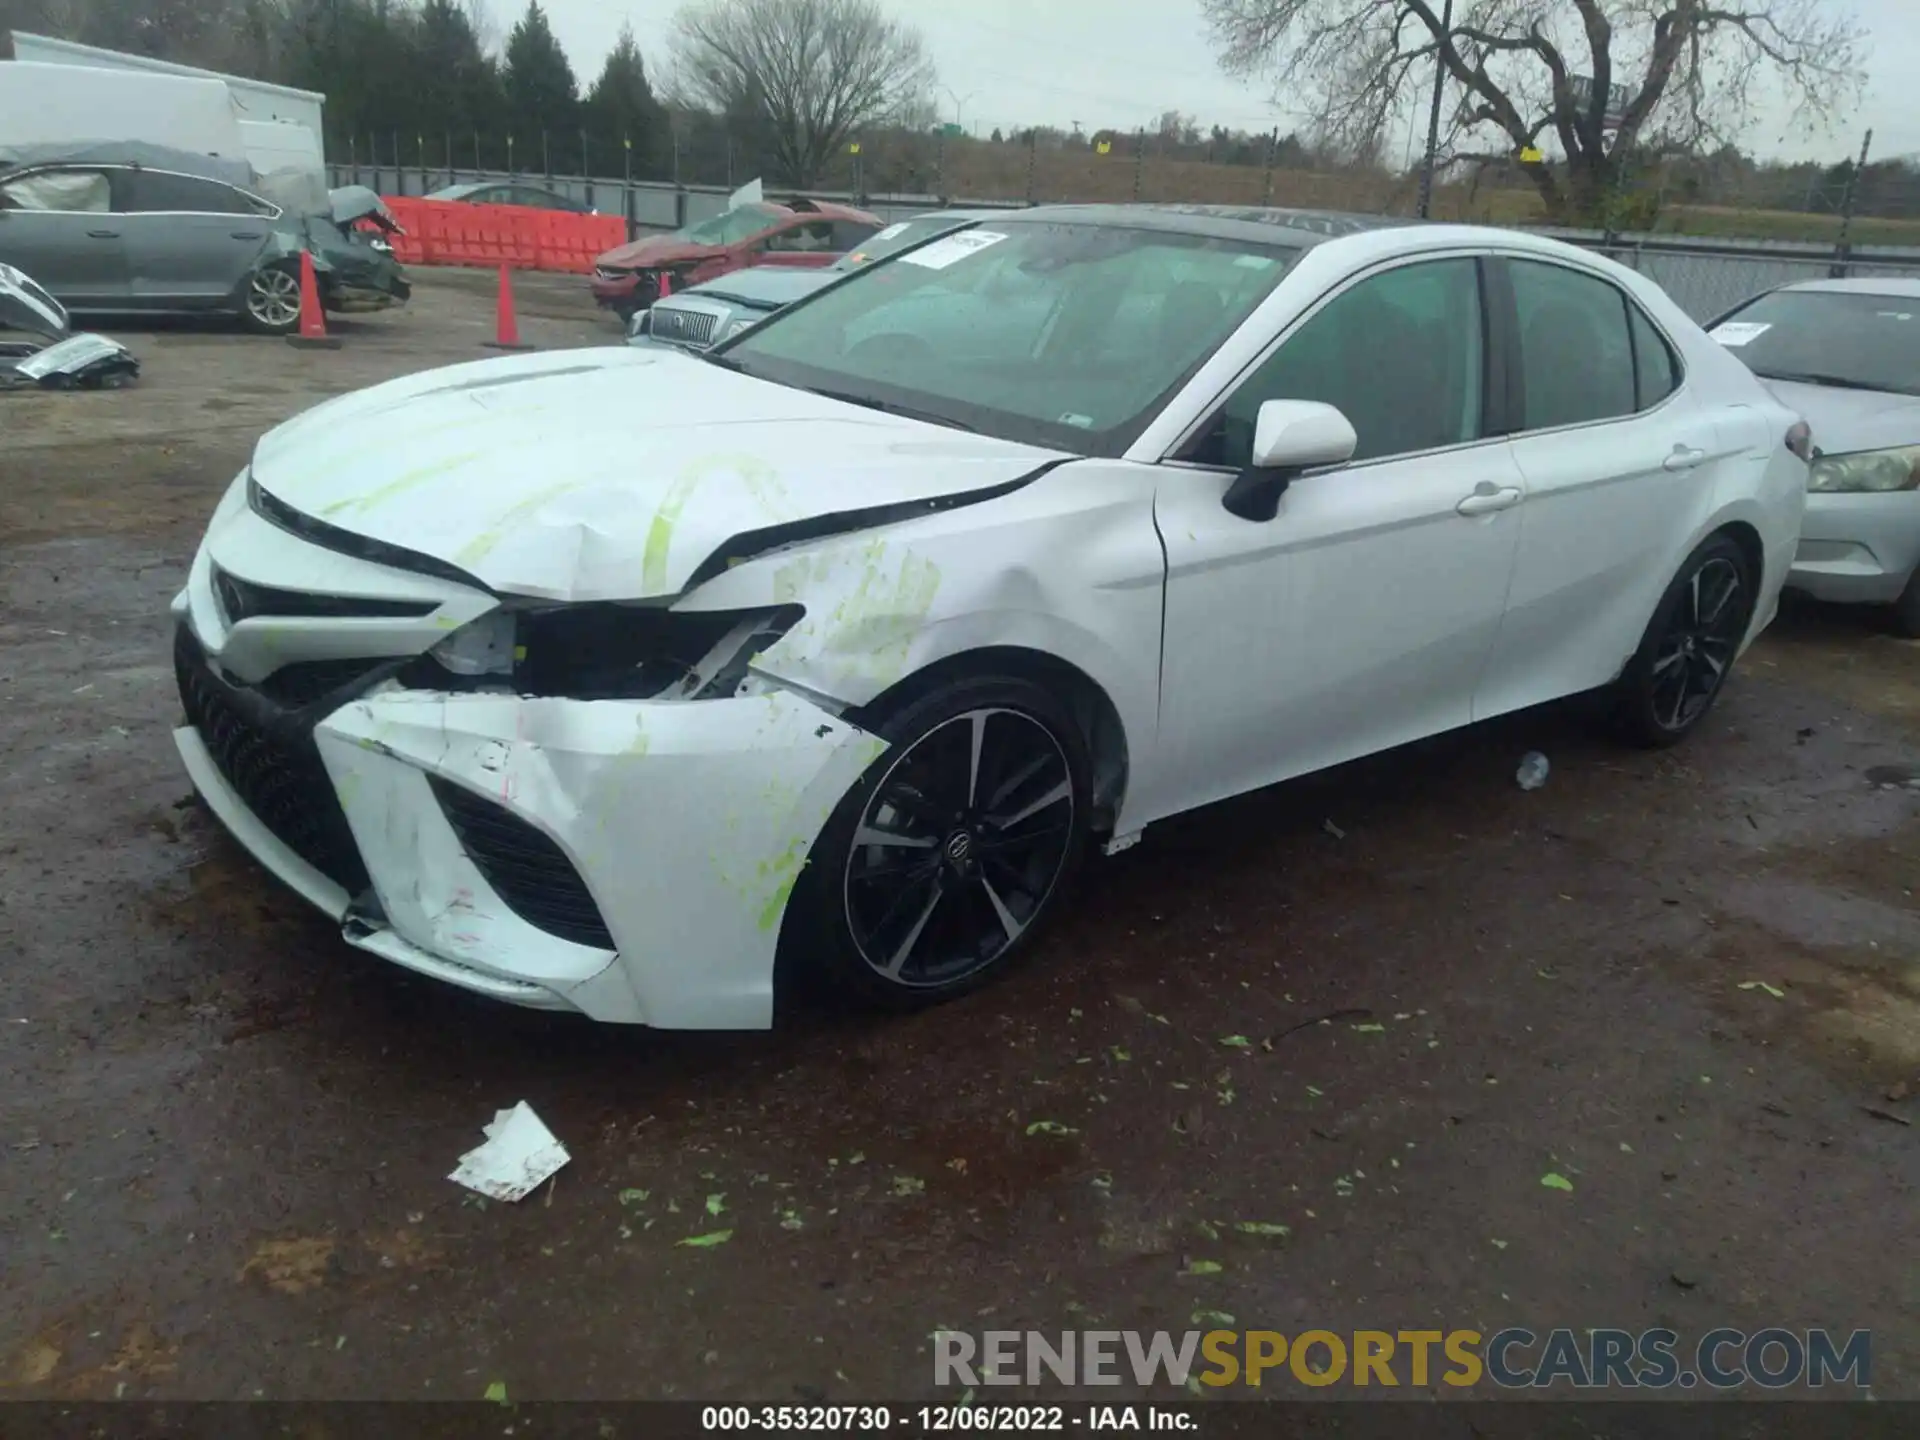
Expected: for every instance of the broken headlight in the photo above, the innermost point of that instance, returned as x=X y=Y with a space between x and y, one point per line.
x=604 y=652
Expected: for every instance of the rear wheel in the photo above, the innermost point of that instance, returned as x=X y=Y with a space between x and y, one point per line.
x=1689 y=646
x=272 y=301
x=940 y=866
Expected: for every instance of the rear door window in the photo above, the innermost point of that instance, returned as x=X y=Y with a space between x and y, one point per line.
x=85 y=192
x=1575 y=347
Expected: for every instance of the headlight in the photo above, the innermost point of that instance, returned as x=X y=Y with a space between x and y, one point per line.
x=1868 y=471
x=604 y=652
x=740 y=326
x=381 y=245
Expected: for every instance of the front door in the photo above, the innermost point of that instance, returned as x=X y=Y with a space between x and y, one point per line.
x=190 y=242
x=58 y=225
x=1361 y=615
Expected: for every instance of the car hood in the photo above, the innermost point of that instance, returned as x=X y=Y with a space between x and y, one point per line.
x=1844 y=421
x=655 y=251
x=608 y=474
x=765 y=286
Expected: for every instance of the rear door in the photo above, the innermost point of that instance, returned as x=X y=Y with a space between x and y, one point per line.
x=190 y=242
x=58 y=224
x=1619 y=457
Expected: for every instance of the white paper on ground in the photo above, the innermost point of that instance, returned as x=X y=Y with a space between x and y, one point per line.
x=942 y=253
x=1739 y=332
x=520 y=1153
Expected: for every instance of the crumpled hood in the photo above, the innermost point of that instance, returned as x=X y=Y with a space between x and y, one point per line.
x=1844 y=421
x=605 y=474
x=657 y=250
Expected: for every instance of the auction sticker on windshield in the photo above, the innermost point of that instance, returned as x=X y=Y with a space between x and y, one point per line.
x=891 y=231
x=943 y=253
x=1739 y=332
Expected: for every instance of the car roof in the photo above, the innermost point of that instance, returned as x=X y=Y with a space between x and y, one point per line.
x=1874 y=285
x=1267 y=224
x=820 y=210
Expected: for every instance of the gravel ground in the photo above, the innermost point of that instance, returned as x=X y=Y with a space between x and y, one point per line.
x=224 y=1135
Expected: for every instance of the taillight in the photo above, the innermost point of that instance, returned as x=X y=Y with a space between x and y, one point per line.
x=1800 y=440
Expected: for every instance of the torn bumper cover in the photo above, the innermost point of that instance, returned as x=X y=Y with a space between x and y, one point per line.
x=631 y=860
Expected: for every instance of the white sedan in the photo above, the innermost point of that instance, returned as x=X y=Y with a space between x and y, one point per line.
x=620 y=680
x=1846 y=355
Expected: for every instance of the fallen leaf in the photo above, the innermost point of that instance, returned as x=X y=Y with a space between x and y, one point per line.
x=1217 y=1318
x=1235 y=1042
x=1370 y=1029
x=634 y=1197
x=706 y=1241
x=1260 y=1227
x=496 y=1392
x=1050 y=1127
x=1315 y=1091
x=908 y=1185
x=1206 y=1228
x=1555 y=1181
x=1203 y=1267
x=1499 y=1244
x=716 y=1204
x=1772 y=990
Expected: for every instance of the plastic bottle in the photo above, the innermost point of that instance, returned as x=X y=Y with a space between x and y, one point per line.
x=1532 y=773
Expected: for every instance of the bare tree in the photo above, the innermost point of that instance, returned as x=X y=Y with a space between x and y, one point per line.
x=807 y=73
x=1593 y=80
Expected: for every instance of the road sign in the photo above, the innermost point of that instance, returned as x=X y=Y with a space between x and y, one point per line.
x=1104 y=147
x=1618 y=98
x=1531 y=156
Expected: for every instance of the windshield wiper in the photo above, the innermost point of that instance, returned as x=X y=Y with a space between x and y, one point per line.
x=1838 y=382
x=906 y=412
x=725 y=362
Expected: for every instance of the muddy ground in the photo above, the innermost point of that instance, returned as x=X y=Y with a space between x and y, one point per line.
x=224 y=1135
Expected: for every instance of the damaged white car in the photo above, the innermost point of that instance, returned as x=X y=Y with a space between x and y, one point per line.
x=620 y=680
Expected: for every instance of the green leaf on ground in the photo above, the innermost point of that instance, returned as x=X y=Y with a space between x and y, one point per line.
x=1553 y=1180
x=706 y=1241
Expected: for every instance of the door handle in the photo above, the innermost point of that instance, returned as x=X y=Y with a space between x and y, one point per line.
x=1489 y=498
x=104 y=234
x=1684 y=457
x=244 y=234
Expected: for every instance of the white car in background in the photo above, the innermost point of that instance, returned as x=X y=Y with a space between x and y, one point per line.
x=617 y=680
x=1846 y=355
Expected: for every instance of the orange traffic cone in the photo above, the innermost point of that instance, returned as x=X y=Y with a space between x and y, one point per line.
x=506 y=329
x=666 y=286
x=312 y=333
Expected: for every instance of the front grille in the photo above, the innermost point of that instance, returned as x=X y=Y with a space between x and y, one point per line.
x=526 y=869
x=265 y=751
x=307 y=682
x=244 y=600
x=685 y=327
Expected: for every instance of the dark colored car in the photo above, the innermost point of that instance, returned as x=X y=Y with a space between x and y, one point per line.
x=511 y=193
x=136 y=229
x=805 y=233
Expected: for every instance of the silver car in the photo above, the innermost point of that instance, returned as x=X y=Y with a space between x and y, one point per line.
x=139 y=229
x=704 y=315
x=1846 y=355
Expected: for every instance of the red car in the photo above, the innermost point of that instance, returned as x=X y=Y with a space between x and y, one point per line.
x=803 y=232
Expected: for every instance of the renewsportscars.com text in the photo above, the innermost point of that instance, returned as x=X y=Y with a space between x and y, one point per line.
x=1513 y=1358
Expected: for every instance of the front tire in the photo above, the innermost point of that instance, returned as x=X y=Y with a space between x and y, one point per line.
x=937 y=869
x=1689 y=646
x=1906 y=610
x=270 y=305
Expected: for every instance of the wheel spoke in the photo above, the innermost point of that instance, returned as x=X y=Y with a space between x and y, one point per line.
x=978 y=738
x=899 y=960
x=1722 y=600
x=1012 y=926
x=1008 y=788
x=868 y=835
x=995 y=844
x=1062 y=791
x=1680 y=696
x=1660 y=667
x=1693 y=589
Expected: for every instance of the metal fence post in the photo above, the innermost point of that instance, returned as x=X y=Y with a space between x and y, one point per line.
x=626 y=182
x=1033 y=156
x=353 y=156
x=1843 y=249
x=1273 y=144
x=546 y=154
x=420 y=153
x=1139 y=160
x=399 y=176
x=510 y=170
x=586 y=168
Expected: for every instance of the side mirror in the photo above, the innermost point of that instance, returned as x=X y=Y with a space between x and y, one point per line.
x=1288 y=436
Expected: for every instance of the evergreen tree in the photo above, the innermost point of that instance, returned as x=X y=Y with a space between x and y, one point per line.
x=542 y=97
x=621 y=105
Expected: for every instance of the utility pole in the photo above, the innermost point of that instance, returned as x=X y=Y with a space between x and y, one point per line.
x=1433 y=116
x=1840 y=265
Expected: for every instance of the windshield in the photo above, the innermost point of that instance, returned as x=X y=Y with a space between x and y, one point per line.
x=895 y=238
x=1829 y=337
x=733 y=226
x=1065 y=335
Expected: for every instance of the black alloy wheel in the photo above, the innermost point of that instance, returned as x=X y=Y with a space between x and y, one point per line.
x=938 y=867
x=1690 y=646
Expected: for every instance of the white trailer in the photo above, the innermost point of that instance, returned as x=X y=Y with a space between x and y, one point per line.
x=55 y=104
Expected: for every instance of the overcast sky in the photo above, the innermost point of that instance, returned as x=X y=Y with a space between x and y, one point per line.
x=1121 y=63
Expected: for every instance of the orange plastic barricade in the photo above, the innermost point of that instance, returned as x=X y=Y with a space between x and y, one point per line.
x=450 y=232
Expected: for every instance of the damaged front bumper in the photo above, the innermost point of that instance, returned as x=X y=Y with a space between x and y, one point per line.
x=629 y=860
